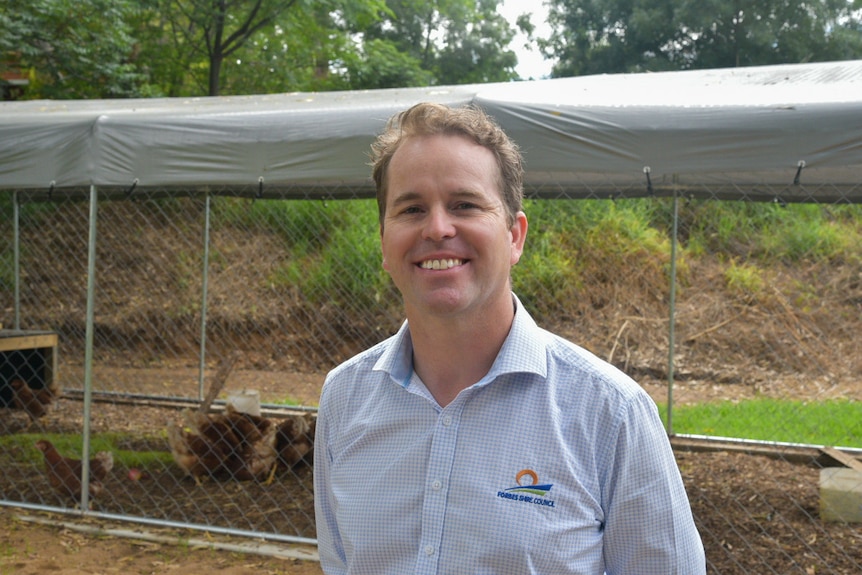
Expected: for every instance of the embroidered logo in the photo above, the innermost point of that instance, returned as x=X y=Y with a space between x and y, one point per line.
x=528 y=489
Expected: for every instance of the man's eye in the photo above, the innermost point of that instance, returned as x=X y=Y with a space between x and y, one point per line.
x=411 y=210
x=465 y=206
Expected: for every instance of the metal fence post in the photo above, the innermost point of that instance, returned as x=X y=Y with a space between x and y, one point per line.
x=204 y=284
x=672 y=311
x=16 y=243
x=88 y=348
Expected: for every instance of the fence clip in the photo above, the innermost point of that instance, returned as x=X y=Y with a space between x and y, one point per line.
x=799 y=167
x=648 y=181
x=51 y=189
x=132 y=188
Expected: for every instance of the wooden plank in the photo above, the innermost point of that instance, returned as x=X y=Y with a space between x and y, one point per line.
x=842 y=458
x=24 y=340
x=793 y=453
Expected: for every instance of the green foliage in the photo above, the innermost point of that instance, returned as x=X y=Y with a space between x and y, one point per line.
x=382 y=65
x=149 y=48
x=771 y=232
x=745 y=281
x=334 y=247
x=73 y=48
x=831 y=422
x=305 y=225
x=204 y=36
x=267 y=46
x=453 y=41
x=607 y=36
x=546 y=276
x=348 y=273
x=576 y=252
x=474 y=47
x=813 y=232
x=573 y=244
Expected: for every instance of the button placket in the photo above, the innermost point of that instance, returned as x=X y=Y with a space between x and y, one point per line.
x=440 y=462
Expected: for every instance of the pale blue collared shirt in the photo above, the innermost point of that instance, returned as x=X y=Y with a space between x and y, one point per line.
x=554 y=463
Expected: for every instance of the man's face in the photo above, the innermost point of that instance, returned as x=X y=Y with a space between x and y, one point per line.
x=446 y=242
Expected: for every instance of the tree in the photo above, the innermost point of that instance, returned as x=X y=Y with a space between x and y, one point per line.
x=605 y=36
x=120 y=48
x=451 y=41
x=307 y=50
x=475 y=48
x=744 y=33
x=216 y=29
x=264 y=43
x=346 y=44
x=73 y=48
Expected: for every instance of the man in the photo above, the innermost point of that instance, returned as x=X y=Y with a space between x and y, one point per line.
x=473 y=441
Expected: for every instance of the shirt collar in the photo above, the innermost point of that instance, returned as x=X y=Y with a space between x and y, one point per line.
x=523 y=351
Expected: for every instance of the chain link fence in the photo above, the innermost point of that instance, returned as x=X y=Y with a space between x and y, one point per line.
x=131 y=311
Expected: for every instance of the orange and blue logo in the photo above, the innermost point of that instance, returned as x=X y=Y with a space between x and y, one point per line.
x=528 y=482
x=528 y=489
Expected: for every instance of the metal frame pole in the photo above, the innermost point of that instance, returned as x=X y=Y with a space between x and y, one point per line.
x=88 y=348
x=204 y=291
x=672 y=306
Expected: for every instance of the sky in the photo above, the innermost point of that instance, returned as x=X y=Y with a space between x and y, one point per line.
x=530 y=62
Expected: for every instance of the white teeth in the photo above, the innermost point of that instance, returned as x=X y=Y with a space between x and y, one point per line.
x=440 y=264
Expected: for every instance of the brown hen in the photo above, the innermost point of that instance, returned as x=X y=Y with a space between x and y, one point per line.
x=64 y=473
x=194 y=454
x=295 y=440
x=230 y=445
x=35 y=402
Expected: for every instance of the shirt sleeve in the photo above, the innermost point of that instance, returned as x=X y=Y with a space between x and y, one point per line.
x=329 y=545
x=649 y=528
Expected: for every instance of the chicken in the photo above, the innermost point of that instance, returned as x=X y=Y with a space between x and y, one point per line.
x=65 y=473
x=295 y=440
x=250 y=427
x=255 y=459
x=230 y=445
x=197 y=457
x=35 y=402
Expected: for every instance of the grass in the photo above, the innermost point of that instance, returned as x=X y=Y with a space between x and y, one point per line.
x=831 y=422
x=335 y=254
x=69 y=445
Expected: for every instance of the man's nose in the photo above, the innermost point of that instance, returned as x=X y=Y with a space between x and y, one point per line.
x=439 y=224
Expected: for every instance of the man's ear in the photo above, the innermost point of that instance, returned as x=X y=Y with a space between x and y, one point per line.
x=382 y=254
x=519 y=236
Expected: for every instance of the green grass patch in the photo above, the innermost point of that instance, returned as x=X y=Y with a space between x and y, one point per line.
x=832 y=422
x=122 y=445
x=771 y=232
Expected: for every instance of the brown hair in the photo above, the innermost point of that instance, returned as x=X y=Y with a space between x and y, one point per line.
x=471 y=122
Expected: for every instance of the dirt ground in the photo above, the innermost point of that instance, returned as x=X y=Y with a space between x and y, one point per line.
x=35 y=543
x=755 y=514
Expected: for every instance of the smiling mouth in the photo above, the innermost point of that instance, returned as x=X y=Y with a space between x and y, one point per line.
x=441 y=264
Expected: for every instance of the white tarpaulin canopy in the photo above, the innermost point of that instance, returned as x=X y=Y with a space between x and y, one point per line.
x=729 y=133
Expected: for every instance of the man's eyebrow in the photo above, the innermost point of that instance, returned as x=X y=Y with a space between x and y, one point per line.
x=405 y=198
x=463 y=194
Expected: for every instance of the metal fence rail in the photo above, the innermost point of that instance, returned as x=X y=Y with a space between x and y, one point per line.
x=150 y=292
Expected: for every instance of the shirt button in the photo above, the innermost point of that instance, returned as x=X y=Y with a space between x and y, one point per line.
x=447 y=421
x=429 y=550
x=436 y=485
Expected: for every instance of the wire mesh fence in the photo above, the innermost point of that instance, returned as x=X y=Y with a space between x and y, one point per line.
x=146 y=321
